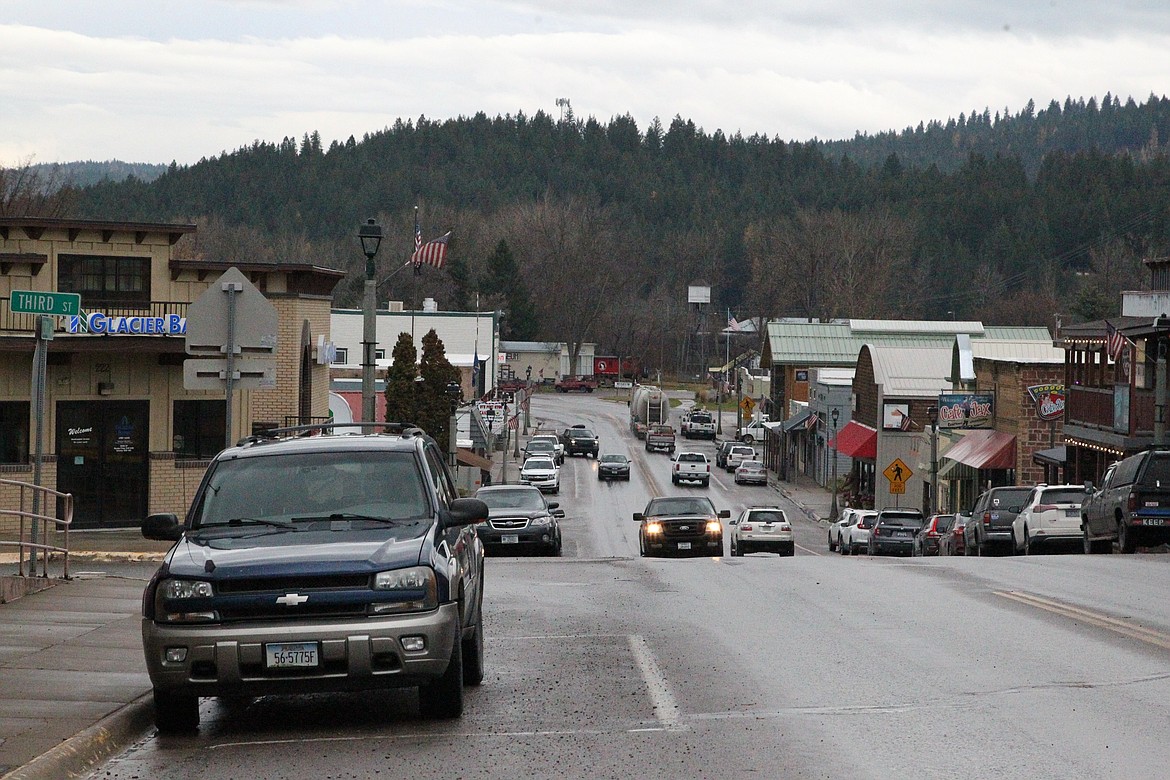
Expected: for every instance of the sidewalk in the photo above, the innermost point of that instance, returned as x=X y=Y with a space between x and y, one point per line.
x=816 y=502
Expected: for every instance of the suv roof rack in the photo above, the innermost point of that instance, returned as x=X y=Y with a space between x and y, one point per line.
x=403 y=429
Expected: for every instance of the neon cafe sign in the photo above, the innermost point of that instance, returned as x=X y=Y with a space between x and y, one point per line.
x=100 y=324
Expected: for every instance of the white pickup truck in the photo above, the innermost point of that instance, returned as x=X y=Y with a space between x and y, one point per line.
x=700 y=425
x=690 y=467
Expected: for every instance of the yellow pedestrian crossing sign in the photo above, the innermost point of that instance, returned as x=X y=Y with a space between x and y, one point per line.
x=897 y=473
x=747 y=404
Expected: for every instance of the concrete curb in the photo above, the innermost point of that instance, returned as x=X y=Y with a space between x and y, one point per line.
x=811 y=515
x=78 y=755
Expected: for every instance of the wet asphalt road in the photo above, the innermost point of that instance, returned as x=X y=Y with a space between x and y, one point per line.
x=605 y=665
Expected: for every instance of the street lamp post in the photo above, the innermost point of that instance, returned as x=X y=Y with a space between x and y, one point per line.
x=932 y=494
x=835 y=414
x=370 y=234
x=454 y=395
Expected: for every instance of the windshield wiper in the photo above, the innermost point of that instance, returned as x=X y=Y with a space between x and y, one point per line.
x=354 y=516
x=237 y=521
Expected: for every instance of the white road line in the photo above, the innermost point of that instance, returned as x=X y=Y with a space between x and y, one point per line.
x=665 y=707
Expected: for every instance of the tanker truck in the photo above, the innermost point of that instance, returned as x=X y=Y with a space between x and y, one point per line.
x=649 y=406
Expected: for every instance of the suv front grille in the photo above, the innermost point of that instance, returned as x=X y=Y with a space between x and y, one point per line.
x=294 y=582
x=509 y=523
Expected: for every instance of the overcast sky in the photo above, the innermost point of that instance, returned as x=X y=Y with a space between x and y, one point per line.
x=161 y=80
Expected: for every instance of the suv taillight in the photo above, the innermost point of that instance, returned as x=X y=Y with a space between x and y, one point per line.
x=1132 y=503
x=987 y=518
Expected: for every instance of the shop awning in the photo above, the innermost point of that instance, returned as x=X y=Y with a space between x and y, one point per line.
x=796 y=421
x=856 y=440
x=984 y=450
x=1054 y=456
x=468 y=458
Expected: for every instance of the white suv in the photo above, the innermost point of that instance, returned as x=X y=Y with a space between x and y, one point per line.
x=855 y=537
x=762 y=528
x=837 y=529
x=738 y=454
x=541 y=471
x=1051 y=513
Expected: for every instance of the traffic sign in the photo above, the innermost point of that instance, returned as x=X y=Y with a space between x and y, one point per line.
x=33 y=302
x=623 y=385
x=897 y=473
x=747 y=404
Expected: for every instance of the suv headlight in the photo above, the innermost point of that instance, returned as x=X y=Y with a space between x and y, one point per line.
x=413 y=590
x=542 y=520
x=178 y=601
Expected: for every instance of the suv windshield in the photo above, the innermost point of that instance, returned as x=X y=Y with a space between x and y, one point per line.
x=580 y=434
x=385 y=485
x=1062 y=496
x=1158 y=471
x=1012 y=498
x=906 y=519
x=679 y=506
x=767 y=516
x=511 y=499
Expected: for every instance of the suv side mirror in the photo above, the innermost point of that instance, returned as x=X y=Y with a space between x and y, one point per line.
x=639 y=517
x=162 y=527
x=725 y=513
x=1088 y=486
x=465 y=511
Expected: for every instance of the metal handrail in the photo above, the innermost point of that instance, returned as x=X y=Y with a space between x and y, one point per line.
x=38 y=496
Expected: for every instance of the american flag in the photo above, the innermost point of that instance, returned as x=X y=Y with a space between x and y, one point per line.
x=514 y=423
x=907 y=423
x=812 y=421
x=433 y=252
x=1115 y=341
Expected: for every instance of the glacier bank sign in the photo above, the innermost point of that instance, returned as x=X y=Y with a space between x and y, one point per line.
x=100 y=324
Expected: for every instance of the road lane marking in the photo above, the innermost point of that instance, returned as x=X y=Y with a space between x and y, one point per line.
x=809 y=550
x=665 y=708
x=1123 y=627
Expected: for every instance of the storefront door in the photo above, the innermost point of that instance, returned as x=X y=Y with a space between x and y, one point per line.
x=102 y=461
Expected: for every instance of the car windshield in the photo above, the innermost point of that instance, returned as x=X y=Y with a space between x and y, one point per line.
x=701 y=417
x=752 y=465
x=580 y=434
x=378 y=485
x=538 y=464
x=613 y=458
x=1015 y=497
x=943 y=522
x=742 y=451
x=540 y=446
x=1158 y=471
x=767 y=516
x=511 y=499
x=544 y=437
x=907 y=519
x=679 y=506
x=1062 y=496
x=692 y=457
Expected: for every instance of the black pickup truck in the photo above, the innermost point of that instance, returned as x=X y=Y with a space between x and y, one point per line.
x=312 y=563
x=1132 y=506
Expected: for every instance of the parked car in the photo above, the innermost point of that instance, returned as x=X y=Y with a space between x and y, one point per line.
x=762 y=528
x=847 y=517
x=894 y=530
x=737 y=454
x=613 y=466
x=690 y=467
x=688 y=525
x=552 y=438
x=721 y=452
x=519 y=520
x=855 y=537
x=312 y=536
x=541 y=472
x=991 y=520
x=928 y=539
x=1132 y=506
x=1051 y=516
x=579 y=440
x=751 y=472
x=951 y=542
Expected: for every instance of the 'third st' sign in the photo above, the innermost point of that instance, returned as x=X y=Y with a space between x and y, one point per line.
x=33 y=302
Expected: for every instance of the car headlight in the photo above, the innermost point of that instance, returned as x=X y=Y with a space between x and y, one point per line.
x=181 y=601
x=714 y=527
x=654 y=528
x=542 y=520
x=413 y=589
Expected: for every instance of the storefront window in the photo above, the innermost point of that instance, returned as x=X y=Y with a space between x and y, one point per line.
x=105 y=280
x=14 y=431
x=199 y=428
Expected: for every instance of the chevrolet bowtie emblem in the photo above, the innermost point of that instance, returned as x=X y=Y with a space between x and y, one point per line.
x=292 y=599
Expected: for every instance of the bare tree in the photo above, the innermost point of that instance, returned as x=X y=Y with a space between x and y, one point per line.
x=26 y=191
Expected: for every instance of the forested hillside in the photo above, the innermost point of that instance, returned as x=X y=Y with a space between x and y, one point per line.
x=602 y=225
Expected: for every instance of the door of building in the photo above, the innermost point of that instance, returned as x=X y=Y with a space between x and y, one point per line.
x=102 y=460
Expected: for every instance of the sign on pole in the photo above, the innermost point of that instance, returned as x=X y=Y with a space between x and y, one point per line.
x=33 y=302
x=748 y=405
x=897 y=473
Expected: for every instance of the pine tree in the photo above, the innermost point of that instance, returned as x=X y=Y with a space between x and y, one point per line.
x=400 y=384
x=434 y=404
x=503 y=281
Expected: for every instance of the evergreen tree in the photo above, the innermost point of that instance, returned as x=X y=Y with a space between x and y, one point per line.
x=434 y=404
x=503 y=281
x=400 y=384
x=461 y=284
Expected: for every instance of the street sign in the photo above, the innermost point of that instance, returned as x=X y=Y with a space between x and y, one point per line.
x=256 y=321
x=33 y=302
x=747 y=404
x=897 y=473
x=623 y=385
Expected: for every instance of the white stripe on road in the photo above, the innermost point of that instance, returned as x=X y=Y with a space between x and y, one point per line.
x=665 y=707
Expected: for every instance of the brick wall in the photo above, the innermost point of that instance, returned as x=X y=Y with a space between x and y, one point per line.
x=1015 y=411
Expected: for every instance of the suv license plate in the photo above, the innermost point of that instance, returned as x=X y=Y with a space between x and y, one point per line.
x=291 y=655
x=510 y=539
x=684 y=545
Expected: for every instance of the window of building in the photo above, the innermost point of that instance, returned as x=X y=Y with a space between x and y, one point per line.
x=105 y=280
x=199 y=428
x=14 y=431
x=379 y=354
x=342 y=356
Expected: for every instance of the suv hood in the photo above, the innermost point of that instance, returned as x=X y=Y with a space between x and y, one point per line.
x=317 y=552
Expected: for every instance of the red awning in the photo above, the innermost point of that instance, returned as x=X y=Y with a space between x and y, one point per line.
x=984 y=450
x=856 y=440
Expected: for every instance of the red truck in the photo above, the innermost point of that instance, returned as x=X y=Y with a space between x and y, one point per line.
x=583 y=384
